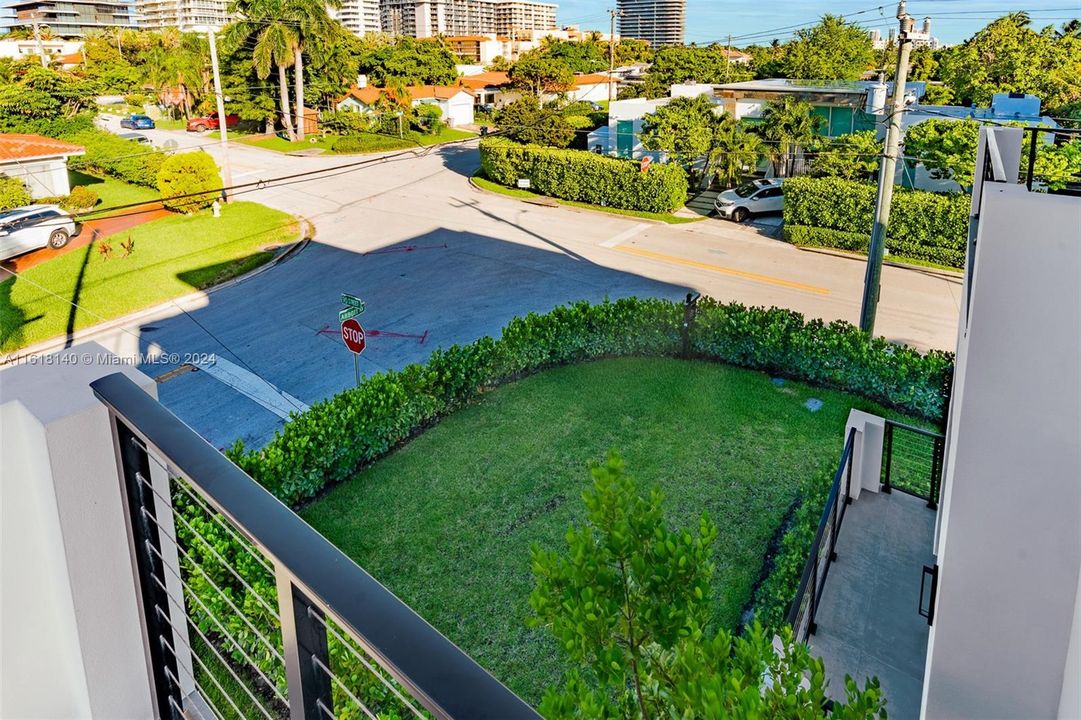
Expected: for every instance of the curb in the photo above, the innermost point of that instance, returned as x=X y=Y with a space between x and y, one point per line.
x=89 y=333
x=957 y=275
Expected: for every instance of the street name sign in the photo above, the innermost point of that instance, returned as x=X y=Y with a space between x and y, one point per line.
x=352 y=301
x=349 y=312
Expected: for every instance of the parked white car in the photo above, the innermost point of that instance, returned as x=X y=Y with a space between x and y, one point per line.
x=760 y=196
x=34 y=227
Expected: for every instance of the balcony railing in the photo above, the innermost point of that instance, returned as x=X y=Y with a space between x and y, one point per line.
x=250 y=613
x=801 y=614
x=1036 y=179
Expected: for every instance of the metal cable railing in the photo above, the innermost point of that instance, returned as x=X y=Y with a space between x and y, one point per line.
x=1036 y=177
x=912 y=461
x=250 y=613
x=804 y=608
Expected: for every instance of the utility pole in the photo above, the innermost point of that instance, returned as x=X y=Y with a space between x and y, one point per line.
x=227 y=170
x=35 y=15
x=612 y=54
x=886 y=173
x=728 y=57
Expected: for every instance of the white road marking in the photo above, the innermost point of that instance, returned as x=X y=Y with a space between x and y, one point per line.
x=252 y=386
x=625 y=235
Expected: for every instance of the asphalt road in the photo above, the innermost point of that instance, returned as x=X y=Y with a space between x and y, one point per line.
x=439 y=262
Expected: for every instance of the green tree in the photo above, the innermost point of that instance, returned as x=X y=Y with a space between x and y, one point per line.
x=1009 y=56
x=831 y=50
x=787 y=126
x=527 y=121
x=736 y=151
x=853 y=156
x=188 y=181
x=684 y=128
x=538 y=74
x=581 y=57
x=631 y=50
x=177 y=66
x=631 y=599
x=678 y=64
x=416 y=62
x=498 y=64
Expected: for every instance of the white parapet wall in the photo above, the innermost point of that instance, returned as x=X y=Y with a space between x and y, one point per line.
x=72 y=639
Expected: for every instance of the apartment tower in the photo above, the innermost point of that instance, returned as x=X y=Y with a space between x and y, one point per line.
x=659 y=22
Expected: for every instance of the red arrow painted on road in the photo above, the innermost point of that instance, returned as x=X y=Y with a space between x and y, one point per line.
x=421 y=339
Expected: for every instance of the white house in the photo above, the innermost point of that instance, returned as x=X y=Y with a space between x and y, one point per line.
x=40 y=162
x=621 y=136
x=454 y=101
x=590 y=88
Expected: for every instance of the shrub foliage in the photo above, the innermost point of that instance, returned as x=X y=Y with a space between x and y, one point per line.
x=584 y=176
x=837 y=213
x=109 y=154
x=13 y=193
x=188 y=181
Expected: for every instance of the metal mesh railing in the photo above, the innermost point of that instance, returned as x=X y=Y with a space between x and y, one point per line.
x=802 y=612
x=912 y=461
x=249 y=613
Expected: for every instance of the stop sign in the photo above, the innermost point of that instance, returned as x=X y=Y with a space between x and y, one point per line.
x=353 y=335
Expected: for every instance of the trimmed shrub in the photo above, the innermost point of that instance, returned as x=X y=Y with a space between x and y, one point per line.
x=585 y=176
x=362 y=424
x=13 y=193
x=188 y=181
x=832 y=212
x=109 y=154
x=81 y=198
x=349 y=144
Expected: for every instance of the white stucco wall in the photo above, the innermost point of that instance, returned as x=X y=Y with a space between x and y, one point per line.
x=590 y=93
x=73 y=644
x=1009 y=544
x=44 y=178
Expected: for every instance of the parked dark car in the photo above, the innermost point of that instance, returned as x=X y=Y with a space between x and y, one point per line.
x=210 y=122
x=137 y=122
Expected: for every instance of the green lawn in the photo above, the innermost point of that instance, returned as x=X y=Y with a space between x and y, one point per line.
x=447 y=521
x=112 y=192
x=172 y=256
x=370 y=142
x=495 y=187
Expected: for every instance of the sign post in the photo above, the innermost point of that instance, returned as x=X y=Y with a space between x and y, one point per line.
x=352 y=332
x=353 y=337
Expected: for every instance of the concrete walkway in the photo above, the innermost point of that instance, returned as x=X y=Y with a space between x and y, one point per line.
x=868 y=620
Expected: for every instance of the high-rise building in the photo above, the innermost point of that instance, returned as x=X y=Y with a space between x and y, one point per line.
x=72 y=18
x=184 y=14
x=358 y=16
x=427 y=18
x=659 y=22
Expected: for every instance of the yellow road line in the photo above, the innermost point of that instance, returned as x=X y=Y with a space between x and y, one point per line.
x=755 y=277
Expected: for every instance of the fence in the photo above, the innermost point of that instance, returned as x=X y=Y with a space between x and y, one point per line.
x=801 y=614
x=912 y=461
x=249 y=613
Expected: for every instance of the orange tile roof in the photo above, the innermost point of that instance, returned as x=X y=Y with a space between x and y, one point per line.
x=581 y=80
x=28 y=147
x=366 y=95
x=71 y=59
x=485 y=79
x=370 y=94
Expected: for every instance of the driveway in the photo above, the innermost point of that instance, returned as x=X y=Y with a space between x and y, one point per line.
x=439 y=262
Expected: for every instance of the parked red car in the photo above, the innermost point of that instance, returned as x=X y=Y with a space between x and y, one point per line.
x=210 y=122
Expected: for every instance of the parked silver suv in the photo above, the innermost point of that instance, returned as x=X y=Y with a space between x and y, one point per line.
x=760 y=196
x=34 y=227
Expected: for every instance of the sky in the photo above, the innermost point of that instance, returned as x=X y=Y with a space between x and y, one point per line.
x=952 y=21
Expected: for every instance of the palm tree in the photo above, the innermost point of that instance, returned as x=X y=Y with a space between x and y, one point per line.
x=314 y=27
x=275 y=44
x=734 y=150
x=788 y=124
x=177 y=63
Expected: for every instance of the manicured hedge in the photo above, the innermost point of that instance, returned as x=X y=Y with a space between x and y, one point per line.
x=109 y=154
x=13 y=193
x=585 y=176
x=335 y=438
x=838 y=213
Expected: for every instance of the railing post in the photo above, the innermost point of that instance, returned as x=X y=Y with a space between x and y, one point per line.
x=141 y=512
x=888 y=457
x=813 y=609
x=304 y=646
x=833 y=528
x=936 y=472
x=848 y=475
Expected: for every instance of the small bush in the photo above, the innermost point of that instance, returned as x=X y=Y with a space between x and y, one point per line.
x=832 y=212
x=428 y=119
x=349 y=144
x=188 y=181
x=584 y=176
x=81 y=198
x=13 y=193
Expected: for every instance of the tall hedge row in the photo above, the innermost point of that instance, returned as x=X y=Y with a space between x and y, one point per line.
x=584 y=176
x=109 y=154
x=838 y=213
x=330 y=442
